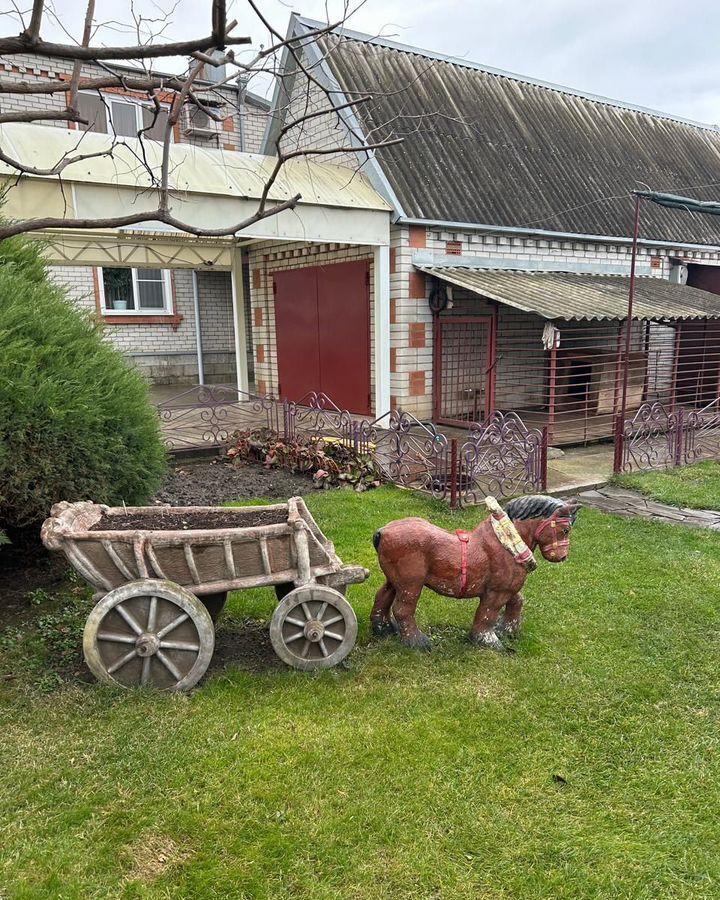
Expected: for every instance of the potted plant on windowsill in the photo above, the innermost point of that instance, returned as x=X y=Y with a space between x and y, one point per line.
x=117 y=284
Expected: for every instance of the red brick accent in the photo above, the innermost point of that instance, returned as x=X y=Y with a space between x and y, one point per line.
x=258 y=316
x=144 y=320
x=228 y=146
x=393 y=260
x=416 y=335
x=261 y=388
x=655 y=262
x=417 y=384
x=260 y=353
x=228 y=124
x=393 y=401
x=256 y=279
x=393 y=359
x=393 y=311
x=418 y=236
x=453 y=248
x=417 y=286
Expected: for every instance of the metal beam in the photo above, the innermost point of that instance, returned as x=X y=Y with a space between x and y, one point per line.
x=238 y=303
x=381 y=299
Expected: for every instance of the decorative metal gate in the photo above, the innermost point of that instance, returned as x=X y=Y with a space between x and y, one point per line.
x=462 y=377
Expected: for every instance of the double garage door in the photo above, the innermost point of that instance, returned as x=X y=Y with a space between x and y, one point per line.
x=322 y=322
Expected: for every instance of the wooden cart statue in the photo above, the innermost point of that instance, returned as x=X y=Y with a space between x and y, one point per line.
x=162 y=575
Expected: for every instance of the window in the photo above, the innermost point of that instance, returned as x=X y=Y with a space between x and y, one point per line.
x=133 y=291
x=110 y=114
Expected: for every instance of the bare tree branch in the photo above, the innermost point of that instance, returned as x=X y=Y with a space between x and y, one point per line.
x=33 y=29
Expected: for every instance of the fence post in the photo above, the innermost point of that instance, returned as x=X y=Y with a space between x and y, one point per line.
x=619 y=449
x=543 y=459
x=679 y=436
x=453 y=474
x=286 y=420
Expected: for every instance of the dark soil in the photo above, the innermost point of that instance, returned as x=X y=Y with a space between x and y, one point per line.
x=163 y=520
x=27 y=567
x=243 y=644
x=211 y=483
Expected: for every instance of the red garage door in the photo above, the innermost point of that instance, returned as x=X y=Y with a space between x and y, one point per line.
x=322 y=321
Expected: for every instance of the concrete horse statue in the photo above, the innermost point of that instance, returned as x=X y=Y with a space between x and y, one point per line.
x=413 y=554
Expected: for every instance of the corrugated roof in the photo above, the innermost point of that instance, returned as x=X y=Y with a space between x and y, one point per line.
x=560 y=295
x=495 y=149
x=192 y=169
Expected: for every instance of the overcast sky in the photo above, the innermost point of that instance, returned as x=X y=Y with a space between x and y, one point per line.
x=657 y=53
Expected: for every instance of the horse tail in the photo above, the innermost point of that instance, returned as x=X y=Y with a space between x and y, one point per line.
x=376 y=538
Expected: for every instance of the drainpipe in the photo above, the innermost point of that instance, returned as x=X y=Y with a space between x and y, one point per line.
x=242 y=83
x=198 y=333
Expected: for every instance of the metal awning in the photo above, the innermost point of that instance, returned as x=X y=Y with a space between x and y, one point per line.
x=560 y=295
x=210 y=188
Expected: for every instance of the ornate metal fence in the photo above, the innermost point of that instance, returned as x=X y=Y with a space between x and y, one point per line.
x=500 y=456
x=660 y=438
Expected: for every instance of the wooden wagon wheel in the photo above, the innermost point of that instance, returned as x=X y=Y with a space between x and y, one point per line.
x=313 y=627
x=149 y=633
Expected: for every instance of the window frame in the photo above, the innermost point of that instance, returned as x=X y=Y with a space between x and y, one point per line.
x=110 y=97
x=167 y=311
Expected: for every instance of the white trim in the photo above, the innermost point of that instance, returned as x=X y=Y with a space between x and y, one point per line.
x=167 y=310
x=198 y=331
x=381 y=300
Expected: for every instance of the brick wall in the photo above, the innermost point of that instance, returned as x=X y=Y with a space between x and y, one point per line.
x=29 y=67
x=167 y=353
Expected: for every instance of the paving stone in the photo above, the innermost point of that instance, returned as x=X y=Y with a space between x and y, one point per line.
x=620 y=502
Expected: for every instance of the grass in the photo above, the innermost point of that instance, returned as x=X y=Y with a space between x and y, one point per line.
x=584 y=765
x=694 y=487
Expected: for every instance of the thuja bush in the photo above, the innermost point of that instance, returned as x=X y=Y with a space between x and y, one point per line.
x=76 y=422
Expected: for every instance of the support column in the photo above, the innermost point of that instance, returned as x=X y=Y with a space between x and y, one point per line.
x=381 y=262
x=198 y=329
x=238 y=302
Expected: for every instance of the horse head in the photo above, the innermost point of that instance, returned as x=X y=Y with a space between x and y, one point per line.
x=547 y=521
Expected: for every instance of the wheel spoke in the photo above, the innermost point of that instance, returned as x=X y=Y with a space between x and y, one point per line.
x=323 y=648
x=115 y=638
x=180 y=645
x=172 y=669
x=334 y=620
x=334 y=635
x=295 y=637
x=295 y=622
x=174 y=624
x=119 y=663
x=306 y=650
x=306 y=610
x=128 y=618
x=321 y=613
x=145 y=676
x=152 y=614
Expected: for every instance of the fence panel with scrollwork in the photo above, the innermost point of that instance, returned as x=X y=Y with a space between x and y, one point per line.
x=502 y=457
x=207 y=416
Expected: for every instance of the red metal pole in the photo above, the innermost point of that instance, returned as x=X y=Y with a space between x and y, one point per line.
x=453 y=474
x=631 y=299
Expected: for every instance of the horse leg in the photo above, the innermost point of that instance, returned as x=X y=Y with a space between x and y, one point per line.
x=509 y=625
x=380 y=620
x=483 y=627
x=404 y=606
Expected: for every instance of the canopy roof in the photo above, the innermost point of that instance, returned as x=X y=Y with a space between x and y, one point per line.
x=210 y=189
x=560 y=295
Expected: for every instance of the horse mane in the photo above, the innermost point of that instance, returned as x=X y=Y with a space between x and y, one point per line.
x=535 y=506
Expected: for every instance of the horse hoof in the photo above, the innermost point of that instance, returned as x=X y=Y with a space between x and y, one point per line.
x=488 y=640
x=383 y=629
x=418 y=641
x=507 y=631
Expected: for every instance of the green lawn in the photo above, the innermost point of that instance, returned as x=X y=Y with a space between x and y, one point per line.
x=695 y=487
x=584 y=765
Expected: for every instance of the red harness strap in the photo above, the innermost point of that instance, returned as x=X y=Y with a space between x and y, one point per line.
x=553 y=522
x=463 y=537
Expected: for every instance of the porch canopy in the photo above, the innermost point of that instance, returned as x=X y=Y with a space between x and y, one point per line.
x=211 y=189
x=560 y=295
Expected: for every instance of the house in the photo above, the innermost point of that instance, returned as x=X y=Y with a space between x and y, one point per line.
x=173 y=319
x=510 y=246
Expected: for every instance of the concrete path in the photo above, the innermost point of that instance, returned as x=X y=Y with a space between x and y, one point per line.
x=620 y=502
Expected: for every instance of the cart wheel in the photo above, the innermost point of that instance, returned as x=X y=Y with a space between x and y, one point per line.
x=313 y=627
x=151 y=633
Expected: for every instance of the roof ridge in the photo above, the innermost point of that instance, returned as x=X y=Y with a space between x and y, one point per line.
x=379 y=40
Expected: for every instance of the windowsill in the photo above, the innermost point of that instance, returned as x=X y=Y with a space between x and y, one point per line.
x=127 y=317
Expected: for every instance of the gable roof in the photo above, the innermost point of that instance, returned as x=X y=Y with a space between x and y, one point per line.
x=485 y=147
